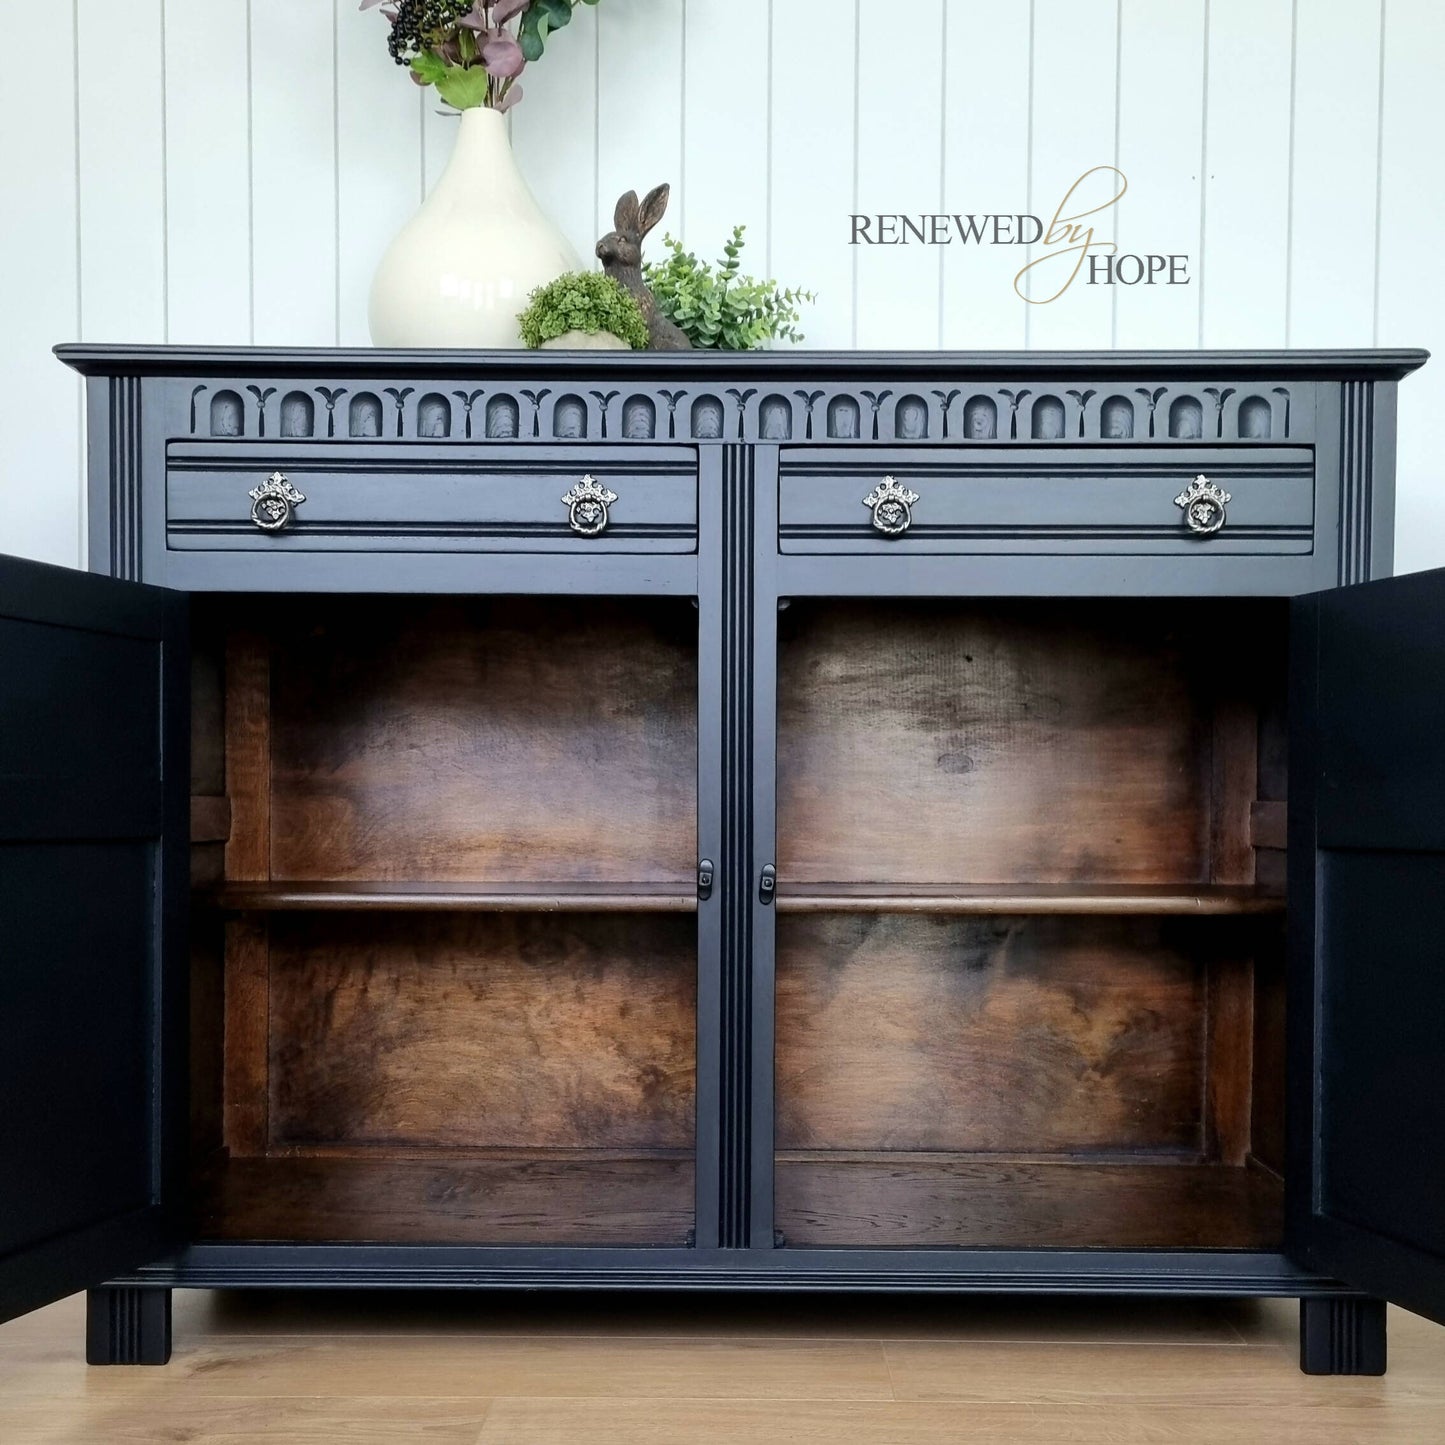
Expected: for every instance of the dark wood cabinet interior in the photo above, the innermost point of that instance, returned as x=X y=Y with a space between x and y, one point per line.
x=1028 y=965
x=1029 y=997
x=445 y=985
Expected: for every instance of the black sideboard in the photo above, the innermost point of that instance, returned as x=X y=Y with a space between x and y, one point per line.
x=785 y=821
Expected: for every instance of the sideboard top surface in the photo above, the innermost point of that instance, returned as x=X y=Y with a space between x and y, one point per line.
x=118 y=360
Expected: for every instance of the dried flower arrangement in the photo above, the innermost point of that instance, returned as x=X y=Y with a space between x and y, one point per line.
x=472 y=51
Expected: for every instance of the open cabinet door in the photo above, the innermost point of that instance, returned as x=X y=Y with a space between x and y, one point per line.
x=94 y=722
x=1367 y=921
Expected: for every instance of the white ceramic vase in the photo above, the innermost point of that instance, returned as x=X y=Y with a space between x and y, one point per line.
x=462 y=268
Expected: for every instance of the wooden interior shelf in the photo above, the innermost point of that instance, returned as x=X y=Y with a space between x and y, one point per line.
x=293 y=897
x=1144 y=900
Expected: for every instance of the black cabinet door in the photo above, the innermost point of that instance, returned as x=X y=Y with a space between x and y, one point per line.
x=94 y=722
x=1367 y=920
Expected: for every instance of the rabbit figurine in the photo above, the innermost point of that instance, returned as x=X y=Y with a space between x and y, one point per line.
x=621 y=255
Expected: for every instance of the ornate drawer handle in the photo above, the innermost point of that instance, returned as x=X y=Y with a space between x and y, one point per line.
x=1203 y=502
x=272 y=503
x=587 y=505
x=892 y=506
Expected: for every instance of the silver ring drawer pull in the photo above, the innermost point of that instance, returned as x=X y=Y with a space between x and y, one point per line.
x=1203 y=502
x=892 y=506
x=587 y=505
x=272 y=503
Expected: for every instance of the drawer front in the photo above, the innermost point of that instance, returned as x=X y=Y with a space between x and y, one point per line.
x=423 y=498
x=1020 y=499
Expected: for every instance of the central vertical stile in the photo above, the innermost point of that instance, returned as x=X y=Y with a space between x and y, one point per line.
x=734 y=1212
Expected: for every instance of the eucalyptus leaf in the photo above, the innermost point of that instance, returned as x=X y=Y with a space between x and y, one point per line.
x=532 y=36
x=428 y=68
x=503 y=56
x=464 y=89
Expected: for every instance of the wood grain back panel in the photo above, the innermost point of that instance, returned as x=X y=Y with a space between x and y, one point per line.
x=449 y=1200
x=1270 y=1073
x=1003 y=1204
x=483 y=739
x=248 y=753
x=1000 y=742
x=482 y=1031
x=1020 y=1035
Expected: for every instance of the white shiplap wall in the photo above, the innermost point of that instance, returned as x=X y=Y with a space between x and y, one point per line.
x=230 y=172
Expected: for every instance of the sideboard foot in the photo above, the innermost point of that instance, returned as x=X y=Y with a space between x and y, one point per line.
x=127 y=1326
x=1342 y=1336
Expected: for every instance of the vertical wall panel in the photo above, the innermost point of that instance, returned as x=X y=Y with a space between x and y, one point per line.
x=208 y=195
x=1244 y=259
x=1161 y=142
x=900 y=171
x=40 y=401
x=1411 y=297
x=378 y=159
x=1074 y=82
x=725 y=169
x=985 y=169
x=122 y=173
x=439 y=136
x=554 y=131
x=1336 y=139
x=812 y=164
x=293 y=172
x=639 y=103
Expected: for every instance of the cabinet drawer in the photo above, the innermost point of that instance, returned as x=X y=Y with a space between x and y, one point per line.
x=1033 y=499
x=437 y=498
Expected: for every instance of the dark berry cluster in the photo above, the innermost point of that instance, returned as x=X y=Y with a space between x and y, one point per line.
x=420 y=24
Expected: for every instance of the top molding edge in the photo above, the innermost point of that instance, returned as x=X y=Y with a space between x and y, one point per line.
x=92 y=359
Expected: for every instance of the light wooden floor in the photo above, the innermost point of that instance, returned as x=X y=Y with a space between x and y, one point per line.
x=479 y=1370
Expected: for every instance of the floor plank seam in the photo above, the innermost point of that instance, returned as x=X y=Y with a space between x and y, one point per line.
x=480 y=1436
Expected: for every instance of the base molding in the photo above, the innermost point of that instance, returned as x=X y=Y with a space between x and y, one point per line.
x=1342 y=1336
x=1155 y=1273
